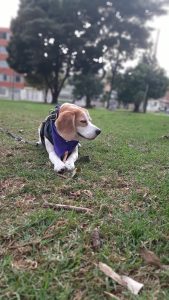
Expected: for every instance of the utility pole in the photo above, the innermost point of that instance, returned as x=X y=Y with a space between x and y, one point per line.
x=13 y=85
x=156 y=44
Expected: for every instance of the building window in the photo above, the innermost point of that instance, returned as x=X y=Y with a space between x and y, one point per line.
x=3 y=50
x=3 y=64
x=3 y=35
x=17 y=78
x=2 y=91
x=8 y=35
x=5 y=77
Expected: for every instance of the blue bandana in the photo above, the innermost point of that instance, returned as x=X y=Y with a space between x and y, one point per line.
x=60 y=145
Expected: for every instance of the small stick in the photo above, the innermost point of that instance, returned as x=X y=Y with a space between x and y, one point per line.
x=66 y=207
x=111 y=295
x=62 y=176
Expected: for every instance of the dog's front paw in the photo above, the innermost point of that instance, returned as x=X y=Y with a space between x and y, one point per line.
x=69 y=165
x=59 y=168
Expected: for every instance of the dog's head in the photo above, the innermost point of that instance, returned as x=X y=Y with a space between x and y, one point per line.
x=74 y=123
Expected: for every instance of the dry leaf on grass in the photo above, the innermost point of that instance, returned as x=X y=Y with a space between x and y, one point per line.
x=121 y=183
x=25 y=264
x=9 y=154
x=142 y=192
x=88 y=193
x=150 y=257
x=75 y=172
x=96 y=241
x=56 y=226
x=165 y=267
x=79 y=193
x=78 y=295
x=76 y=194
x=133 y=286
x=24 y=250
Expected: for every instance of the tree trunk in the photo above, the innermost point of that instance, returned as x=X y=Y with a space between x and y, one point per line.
x=58 y=87
x=145 y=102
x=88 y=101
x=145 y=105
x=136 y=107
x=108 y=100
x=55 y=95
x=46 y=95
x=114 y=72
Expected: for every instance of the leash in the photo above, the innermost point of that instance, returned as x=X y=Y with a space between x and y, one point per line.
x=53 y=114
x=17 y=137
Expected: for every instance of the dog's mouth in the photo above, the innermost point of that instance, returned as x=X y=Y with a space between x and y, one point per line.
x=82 y=136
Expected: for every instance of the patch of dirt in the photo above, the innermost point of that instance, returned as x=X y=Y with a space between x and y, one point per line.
x=24 y=201
x=11 y=185
x=59 y=224
x=71 y=194
x=24 y=264
x=78 y=295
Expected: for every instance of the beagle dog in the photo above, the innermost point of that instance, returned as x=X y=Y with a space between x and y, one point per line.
x=61 y=132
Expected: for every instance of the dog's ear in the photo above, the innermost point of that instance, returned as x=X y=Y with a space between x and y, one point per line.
x=65 y=125
x=87 y=113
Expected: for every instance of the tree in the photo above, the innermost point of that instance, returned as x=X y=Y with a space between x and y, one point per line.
x=88 y=86
x=49 y=36
x=118 y=30
x=86 y=79
x=44 y=41
x=127 y=33
x=142 y=82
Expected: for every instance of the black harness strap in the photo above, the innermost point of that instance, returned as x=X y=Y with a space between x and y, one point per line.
x=46 y=130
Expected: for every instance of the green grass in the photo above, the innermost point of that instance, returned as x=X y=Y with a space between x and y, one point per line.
x=128 y=176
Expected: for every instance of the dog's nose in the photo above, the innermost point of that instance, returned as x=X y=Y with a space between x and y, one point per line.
x=98 y=131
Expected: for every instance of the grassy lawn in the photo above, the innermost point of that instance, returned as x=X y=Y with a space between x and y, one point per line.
x=47 y=254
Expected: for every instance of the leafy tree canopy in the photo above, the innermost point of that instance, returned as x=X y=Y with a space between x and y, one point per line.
x=145 y=81
x=53 y=38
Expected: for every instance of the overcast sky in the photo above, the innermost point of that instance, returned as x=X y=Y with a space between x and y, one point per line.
x=8 y=9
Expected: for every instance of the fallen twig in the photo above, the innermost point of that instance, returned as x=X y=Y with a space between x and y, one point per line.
x=66 y=207
x=133 y=286
x=62 y=176
x=111 y=296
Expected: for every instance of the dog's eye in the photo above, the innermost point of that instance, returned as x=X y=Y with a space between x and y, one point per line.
x=83 y=121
